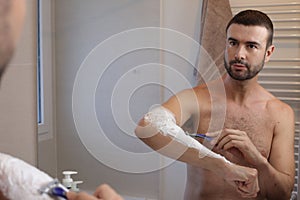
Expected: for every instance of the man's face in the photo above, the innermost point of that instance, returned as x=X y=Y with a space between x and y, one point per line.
x=246 y=51
x=11 y=20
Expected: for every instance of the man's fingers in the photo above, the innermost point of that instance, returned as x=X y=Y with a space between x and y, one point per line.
x=71 y=195
x=246 y=190
x=80 y=196
x=104 y=191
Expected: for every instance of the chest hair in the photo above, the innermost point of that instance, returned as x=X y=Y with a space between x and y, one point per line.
x=255 y=122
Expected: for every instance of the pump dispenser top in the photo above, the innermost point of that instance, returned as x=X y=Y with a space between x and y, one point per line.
x=74 y=187
x=67 y=180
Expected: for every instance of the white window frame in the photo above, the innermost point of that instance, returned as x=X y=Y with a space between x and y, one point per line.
x=45 y=127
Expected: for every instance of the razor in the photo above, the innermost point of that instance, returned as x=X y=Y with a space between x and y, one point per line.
x=200 y=135
x=54 y=189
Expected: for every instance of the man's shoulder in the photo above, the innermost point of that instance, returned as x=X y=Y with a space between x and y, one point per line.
x=274 y=103
x=277 y=107
x=194 y=91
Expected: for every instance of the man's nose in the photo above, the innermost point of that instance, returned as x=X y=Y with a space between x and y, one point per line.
x=240 y=53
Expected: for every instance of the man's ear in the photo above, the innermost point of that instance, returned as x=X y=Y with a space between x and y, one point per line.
x=269 y=52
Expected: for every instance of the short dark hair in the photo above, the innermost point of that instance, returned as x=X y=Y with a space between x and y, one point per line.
x=254 y=18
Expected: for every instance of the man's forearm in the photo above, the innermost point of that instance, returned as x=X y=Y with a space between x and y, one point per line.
x=159 y=130
x=273 y=183
x=169 y=147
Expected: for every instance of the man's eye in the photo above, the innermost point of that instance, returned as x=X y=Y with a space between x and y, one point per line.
x=252 y=46
x=232 y=43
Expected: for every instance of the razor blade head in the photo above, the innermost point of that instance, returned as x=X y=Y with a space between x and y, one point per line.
x=45 y=189
x=54 y=189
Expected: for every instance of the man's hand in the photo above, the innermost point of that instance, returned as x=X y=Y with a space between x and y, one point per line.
x=238 y=143
x=237 y=146
x=244 y=179
x=104 y=192
x=80 y=196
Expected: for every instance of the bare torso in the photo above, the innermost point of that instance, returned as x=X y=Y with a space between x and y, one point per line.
x=256 y=121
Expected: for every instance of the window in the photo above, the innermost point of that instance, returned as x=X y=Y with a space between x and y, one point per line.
x=40 y=103
x=44 y=70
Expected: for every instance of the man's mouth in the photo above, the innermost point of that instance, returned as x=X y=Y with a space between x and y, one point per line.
x=239 y=66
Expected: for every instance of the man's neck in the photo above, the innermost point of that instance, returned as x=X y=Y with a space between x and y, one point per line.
x=240 y=91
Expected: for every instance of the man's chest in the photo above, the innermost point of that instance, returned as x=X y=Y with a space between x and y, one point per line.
x=255 y=121
x=257 y=124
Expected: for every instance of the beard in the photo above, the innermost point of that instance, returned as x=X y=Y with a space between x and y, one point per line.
x=251 y=71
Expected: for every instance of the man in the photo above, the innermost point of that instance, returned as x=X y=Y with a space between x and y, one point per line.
x=258 y=131
x=13 y=170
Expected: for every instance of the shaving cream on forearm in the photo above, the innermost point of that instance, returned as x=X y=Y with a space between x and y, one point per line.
x=164 y=121
x=20 y=180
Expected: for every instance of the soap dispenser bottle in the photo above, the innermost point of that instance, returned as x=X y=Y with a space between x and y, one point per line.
x=67 y=180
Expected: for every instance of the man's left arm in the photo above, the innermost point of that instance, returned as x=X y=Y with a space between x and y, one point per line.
x=276 y=174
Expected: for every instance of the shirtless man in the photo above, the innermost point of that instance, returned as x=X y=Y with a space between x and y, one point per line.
x=258 y=131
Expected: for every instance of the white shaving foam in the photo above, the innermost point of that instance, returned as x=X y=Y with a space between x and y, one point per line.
x=164 y=121
x=20 y=180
